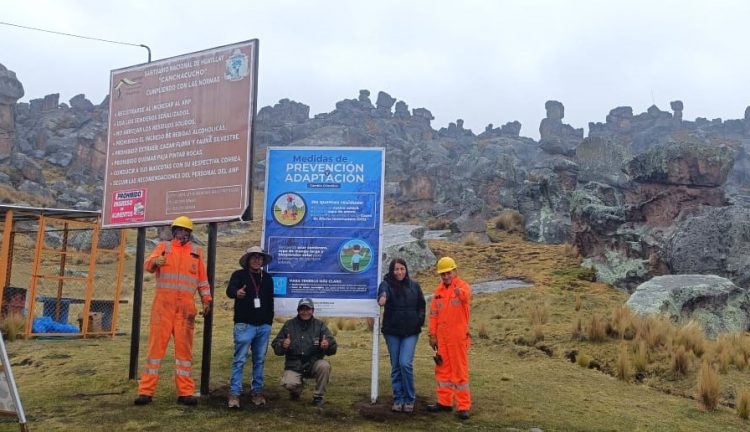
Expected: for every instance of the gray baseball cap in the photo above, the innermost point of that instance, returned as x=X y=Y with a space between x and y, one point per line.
x=306 y=302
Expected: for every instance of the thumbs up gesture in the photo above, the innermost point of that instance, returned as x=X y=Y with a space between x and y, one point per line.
x=324 y=343
x=287 y=341
x=242 y=292
x=160 y=261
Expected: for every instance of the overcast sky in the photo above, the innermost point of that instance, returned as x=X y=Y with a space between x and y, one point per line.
x=482 y=61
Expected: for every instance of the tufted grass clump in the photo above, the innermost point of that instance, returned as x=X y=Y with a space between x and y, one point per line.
x=577 y=328
x=622 y=322
x=656 y=331
x=724 y=360
x=743 y=404
x=681 y=360
x=346 y=324
x=538 y=314
x=510 y=221
x=623 y=367
x=578 y=302
x=340 y=323
x=351 y=324
x=472 y=239
x=691 y=337
x=12 y=326
x=640 y=356
x=570 y=251
x=538 y=331
x=708 y=387
x=740 y=361
x=597 y=329
x=438 y=224
x=583 y=360
x=483 y=333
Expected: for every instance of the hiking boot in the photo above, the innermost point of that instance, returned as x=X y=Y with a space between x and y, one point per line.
x=234 y=402
x=397 y=407
x=439 y=408
x=143 y=400
x=293 y=396
x=318 y=401
x=258 y=399
x=187 y=400
x=409 y=407
x=463 y=415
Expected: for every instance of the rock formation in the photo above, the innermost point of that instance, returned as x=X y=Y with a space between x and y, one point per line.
x=10 y=91
x=623 y=194
x=718 y=305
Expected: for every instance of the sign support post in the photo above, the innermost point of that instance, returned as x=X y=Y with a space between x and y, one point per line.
x=12 y=389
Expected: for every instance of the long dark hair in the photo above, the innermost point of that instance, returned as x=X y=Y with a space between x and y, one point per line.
x=390 y=277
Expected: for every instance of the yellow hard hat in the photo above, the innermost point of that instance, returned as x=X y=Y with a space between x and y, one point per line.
x=183 y=222
x=445 y=264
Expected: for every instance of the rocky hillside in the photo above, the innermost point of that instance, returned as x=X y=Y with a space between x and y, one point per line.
x=636 y=195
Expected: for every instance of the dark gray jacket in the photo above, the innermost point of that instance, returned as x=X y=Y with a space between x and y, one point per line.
x=404 y=309
x=305 y=348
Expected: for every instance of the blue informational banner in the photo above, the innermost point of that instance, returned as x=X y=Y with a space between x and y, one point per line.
x=323 y=218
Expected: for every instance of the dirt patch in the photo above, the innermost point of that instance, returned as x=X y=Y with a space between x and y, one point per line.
x=381 y=410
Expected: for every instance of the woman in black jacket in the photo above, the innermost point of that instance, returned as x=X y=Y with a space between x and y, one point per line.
x=403 y=317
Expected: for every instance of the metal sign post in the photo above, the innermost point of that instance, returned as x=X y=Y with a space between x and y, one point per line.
x=10 y=383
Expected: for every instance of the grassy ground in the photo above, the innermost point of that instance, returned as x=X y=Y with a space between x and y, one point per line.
x=521 y=373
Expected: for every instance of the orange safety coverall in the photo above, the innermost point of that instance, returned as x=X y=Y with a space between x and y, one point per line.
x=173 y=313
x=449 y=322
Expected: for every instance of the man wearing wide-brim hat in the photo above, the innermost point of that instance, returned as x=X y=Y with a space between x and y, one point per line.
x=252 y=291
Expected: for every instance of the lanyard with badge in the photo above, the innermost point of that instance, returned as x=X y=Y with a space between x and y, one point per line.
x=256 y=300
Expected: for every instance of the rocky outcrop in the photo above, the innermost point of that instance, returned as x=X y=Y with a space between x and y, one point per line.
x=718 y=305
x=624 y=228
x=405 y=241
x=600 y=158
x=712 y=241
x=555 y=137
x=71 y=138
x=10 y=91
x=619 y=194
x=682 y=163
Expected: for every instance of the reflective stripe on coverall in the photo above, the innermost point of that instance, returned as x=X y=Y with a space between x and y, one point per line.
x=449 y=321
x=173 y=313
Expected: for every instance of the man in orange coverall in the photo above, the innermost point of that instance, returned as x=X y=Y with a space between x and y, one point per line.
x=180 y=270
x=449 y=337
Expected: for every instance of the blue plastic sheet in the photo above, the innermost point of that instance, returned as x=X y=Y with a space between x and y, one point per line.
x=48 y=325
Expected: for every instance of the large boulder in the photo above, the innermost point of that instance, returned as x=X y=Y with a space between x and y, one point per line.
x=718 y=305
x=10 y=88
x=108 y=239
x=616 y=268
x=682 y=163
x=714 y=241
x=405 y=241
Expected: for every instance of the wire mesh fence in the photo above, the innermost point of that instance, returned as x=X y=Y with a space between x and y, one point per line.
x=64 y=277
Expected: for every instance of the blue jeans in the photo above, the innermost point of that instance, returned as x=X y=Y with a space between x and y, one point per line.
x=249 y=337
x=401 y=350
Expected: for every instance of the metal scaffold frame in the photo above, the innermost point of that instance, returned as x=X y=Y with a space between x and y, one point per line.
x=70 y=221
